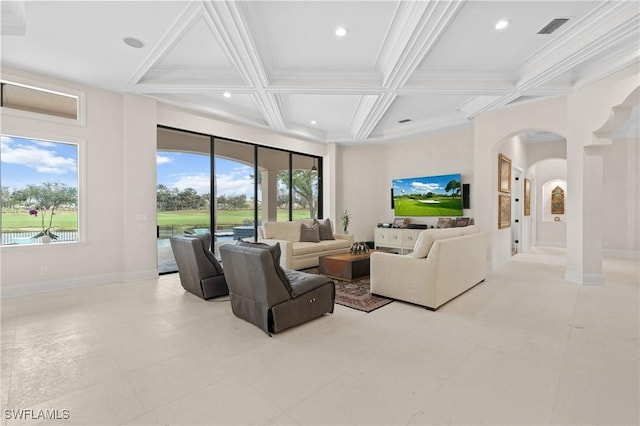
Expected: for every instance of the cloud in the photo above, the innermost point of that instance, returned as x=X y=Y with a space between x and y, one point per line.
x=37 y=157
x=425 y=187
x=161 y=159
x=199 y=182
x=235 y=184
x=227 y=184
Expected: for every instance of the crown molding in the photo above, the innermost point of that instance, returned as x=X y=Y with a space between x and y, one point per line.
x=612 y=64
x=598 y=31
x=473 y=106
x=424 y=127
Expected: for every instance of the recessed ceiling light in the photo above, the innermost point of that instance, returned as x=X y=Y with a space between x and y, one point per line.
x=226 y=94
x=133 y=42
x=314 y=122
x=502 y=24
x=341 y=31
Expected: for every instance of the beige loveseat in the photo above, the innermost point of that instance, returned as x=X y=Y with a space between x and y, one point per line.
x=444 y=264
x=298 y=254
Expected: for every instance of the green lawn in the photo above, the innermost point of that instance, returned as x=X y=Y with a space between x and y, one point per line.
x=68 y=220
x=445 y=206
x=63 y=221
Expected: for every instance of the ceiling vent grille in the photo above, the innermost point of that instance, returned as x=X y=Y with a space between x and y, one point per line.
x=553 y=25
x=406 y=120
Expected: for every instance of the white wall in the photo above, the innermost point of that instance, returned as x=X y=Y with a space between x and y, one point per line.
x=99 y=257
x=516 y=149
x=588 y=110
x=366 y=173
x=621 y=224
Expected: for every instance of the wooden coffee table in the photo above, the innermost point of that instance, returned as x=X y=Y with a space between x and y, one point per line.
x=345 y=266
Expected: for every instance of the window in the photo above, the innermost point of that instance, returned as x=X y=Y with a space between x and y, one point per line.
x=21 y=97
x=39 y=190
x=39 y=101
x=241 y=185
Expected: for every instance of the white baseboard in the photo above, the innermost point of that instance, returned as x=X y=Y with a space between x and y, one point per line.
x=632 y=254
x=77 y=282
x=560 y=244
x=140 y=275
x=495 y=264
x=584 y=279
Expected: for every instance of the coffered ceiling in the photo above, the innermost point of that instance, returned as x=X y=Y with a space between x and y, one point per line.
x=435 y=63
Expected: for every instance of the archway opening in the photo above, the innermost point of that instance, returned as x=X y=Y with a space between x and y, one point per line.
x=536 y=156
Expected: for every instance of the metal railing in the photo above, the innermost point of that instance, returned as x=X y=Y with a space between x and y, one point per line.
x=26 y=237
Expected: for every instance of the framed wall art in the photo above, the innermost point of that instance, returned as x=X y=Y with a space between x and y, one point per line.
x=557 y=200
x=527 y=197
x=504 y=211
x=504 y=174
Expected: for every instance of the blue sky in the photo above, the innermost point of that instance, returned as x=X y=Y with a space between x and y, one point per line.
x=30 y=161
x=183 y=170
x=423 y=185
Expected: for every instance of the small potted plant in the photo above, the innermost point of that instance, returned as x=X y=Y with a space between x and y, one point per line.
x=46 y=199
x=46 y=233
x=346 y=218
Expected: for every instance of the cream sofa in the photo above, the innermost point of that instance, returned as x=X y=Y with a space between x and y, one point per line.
x=444 y=264
x=298 y=254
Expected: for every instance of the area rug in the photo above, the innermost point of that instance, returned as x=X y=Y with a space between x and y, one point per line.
x=356 y=294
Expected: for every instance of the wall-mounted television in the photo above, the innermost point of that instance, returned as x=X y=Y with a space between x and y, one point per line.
x=428 y=196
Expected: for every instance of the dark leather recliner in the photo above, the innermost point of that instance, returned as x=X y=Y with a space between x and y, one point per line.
x=268 y=296
x=200 y=272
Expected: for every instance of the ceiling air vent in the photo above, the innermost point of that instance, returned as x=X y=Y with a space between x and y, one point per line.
x=553 y=25
x=406 y=120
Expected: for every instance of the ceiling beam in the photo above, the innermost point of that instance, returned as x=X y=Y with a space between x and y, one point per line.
x=238 y=40
x=606 y=26
x=416 y=28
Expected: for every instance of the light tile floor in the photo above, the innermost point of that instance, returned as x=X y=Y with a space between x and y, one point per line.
x=524 y=347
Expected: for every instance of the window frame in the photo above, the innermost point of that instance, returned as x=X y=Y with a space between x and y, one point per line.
x=82 y=179
x=51 y=88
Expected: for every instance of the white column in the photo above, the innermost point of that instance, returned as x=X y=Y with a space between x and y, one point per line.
x=593 y=211
x=585 y=213
x=269 y=195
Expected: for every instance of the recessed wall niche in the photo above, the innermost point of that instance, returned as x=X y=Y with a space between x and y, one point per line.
x=549 y=209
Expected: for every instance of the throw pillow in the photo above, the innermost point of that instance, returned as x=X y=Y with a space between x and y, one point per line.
x=275 y=255
x=310 y=234
x=206 y=243
x=326 y=230
x=428 y=237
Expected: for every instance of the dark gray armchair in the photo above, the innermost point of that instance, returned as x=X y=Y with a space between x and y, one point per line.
x=200 y=272
x=266 y=295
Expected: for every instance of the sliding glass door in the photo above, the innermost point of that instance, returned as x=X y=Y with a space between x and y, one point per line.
x=183 y=191
x=228 y=188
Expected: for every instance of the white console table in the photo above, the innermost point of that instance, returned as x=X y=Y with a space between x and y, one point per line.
x=401 y=239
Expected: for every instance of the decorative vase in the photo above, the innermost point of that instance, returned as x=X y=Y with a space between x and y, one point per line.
x=46 y=239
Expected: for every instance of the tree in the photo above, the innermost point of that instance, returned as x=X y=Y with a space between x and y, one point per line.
x=304 y=186
x=7 y=199
x=163 y=197
x=189 y=198
x=454 y=187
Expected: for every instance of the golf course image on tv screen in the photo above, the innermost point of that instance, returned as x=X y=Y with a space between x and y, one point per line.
x=428 y=196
